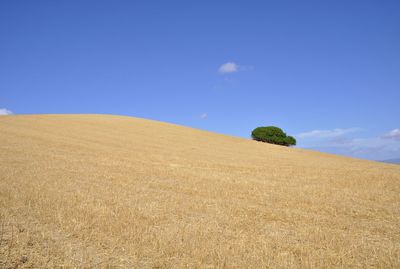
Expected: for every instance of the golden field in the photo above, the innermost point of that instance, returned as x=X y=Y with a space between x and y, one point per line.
x=101 y=191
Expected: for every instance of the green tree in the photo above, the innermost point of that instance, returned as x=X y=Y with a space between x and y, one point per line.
x=273 y=135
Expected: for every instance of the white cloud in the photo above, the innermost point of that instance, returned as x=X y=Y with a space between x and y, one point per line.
x=394 y=134
x=203 y=116
x=327 y=133
x=337 y=141
x=375 y=148
x=5 y=111
x=229 y=67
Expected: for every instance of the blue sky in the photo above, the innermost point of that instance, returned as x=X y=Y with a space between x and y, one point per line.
x=327 y=72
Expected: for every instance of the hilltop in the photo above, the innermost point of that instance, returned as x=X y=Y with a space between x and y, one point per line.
x=102 y=190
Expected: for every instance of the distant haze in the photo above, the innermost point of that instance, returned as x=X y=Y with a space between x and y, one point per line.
x=396 y=161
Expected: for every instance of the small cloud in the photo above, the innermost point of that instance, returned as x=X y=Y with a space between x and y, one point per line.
x=394 y=134
x=203 y=116
x=328 y=133
x=5 y=111
x=227 y=68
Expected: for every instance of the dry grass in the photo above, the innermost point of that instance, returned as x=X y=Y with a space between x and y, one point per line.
x=106 y=191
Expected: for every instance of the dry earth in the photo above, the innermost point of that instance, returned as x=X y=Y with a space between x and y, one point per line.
x=100 y=191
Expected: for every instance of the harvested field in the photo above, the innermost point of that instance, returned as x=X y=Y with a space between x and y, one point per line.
x=120 y=192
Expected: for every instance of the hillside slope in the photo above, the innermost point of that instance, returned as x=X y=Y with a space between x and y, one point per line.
x=101 y=190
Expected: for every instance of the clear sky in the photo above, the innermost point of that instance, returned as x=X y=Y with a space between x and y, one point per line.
x=327 y=72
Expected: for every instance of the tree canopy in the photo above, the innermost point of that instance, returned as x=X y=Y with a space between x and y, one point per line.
x=273 y=135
